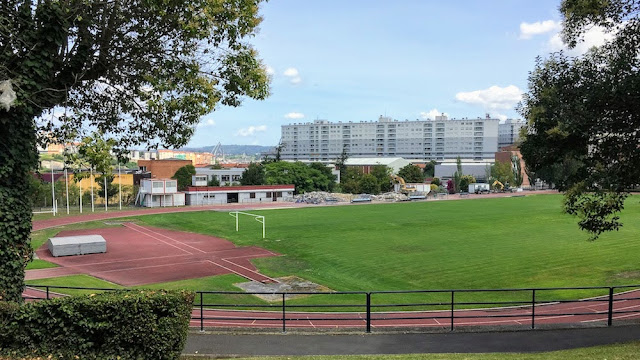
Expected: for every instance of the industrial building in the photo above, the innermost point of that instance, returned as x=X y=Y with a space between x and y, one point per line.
x=211 y=195
x=367 y=164
x=438 y=139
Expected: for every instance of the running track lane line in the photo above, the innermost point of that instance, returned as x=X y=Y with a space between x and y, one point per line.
x=255 y=272
x=162 y=241
x=165 y=236
x=236 y=272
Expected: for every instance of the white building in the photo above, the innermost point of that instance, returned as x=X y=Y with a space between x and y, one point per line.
x=224 y=176
x=438 y=139
x=210 y=195
x=509 y=132
x=159 y=193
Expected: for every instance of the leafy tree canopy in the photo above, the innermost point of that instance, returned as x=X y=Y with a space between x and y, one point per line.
x=305 y=177
x=137 y=71
x=583 y=115
x=184 y=176
x=411 y=174
x=253 y=175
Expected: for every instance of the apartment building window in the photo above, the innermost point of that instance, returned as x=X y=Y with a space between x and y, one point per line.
x=252 y=195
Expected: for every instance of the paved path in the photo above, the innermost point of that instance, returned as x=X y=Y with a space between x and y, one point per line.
x=231 y=345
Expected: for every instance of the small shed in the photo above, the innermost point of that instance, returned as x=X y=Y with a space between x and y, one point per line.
x=77 y=245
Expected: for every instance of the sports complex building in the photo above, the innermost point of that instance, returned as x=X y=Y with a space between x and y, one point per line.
x=211 y=195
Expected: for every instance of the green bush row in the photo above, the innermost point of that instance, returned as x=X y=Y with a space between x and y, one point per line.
x=141 y=324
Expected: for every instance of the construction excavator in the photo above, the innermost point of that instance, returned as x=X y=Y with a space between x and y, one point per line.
x=500 y=186
x=407 y=190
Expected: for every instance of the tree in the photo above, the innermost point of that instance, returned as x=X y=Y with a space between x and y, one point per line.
x=502 y=172
x=341 y=160
x=429 y=169
x=304 y=177
x=583 y=115
x=436 y=181
x=457 y=176
x=327 y=181
x=350 y=182
x=517 y=171
x=213 y=181
x=368 y=184
x=253 y=175
x=451 y=187
x=138 y=71
x=382 y=173
x=411 y=174
x=184 y=176
x=465 y=180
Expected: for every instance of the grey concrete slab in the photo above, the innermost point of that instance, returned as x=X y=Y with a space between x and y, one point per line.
x=77 y=245
x=361 y=344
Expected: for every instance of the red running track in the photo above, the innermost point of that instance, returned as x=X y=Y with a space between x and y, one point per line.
x=625 y=306
x=138 y=255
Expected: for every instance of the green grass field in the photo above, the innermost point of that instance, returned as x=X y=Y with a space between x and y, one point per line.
x=515 y=242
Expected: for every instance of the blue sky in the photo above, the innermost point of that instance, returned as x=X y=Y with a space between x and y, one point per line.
x=356 y=60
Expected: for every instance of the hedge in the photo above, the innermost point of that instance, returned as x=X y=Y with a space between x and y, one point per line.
x=140 y=324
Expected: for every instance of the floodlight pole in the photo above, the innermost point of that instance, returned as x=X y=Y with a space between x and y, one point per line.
x=106 y=193
x=66 y=183
x=80 y=190
x=53 y=190
x=120 y=185
x=91 y=177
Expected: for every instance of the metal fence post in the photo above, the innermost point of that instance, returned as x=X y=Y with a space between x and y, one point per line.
x=284 y=326
x=47 y=292
x=368 y=312
x=452 y=307
x=610 y=317
x=201 y=313
x=533 y=308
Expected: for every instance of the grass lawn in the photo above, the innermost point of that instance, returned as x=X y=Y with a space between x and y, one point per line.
x=514 y=242
x=485 y=243
x=627 y=351
x=75 y=281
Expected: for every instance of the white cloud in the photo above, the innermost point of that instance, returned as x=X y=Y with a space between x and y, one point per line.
x=251 y=130
x=270 y=71
x=293 y=74
x=431 y=114
x=294 y=115
x=208 y=122
x=595 y=36
x=492 y=98
x=528 y=30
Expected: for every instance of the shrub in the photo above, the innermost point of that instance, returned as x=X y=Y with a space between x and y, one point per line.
x=139 y=324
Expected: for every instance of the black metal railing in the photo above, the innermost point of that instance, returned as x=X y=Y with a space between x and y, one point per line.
x=413 y=308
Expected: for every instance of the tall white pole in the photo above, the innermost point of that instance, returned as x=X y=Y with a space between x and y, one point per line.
x=53 y=191
x=91 y=177
x=120 y=185
x=80 y=190
x=106 y=193
x=66 y=183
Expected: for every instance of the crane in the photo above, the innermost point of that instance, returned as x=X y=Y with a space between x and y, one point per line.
x=403 y=185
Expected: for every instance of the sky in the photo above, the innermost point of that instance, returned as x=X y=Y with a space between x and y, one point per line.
x=356 y=60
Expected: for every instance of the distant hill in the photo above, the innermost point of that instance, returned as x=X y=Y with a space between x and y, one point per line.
x=233 y=149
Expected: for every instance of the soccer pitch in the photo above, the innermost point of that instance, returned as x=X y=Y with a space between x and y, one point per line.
x=511 y=242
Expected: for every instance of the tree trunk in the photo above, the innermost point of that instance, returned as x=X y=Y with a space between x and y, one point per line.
x=18 y=157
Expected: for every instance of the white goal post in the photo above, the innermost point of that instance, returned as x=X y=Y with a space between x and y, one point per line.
x=258 y=218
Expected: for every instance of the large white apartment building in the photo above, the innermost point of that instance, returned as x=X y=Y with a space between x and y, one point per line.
x=509 y=132
x=437 y=139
